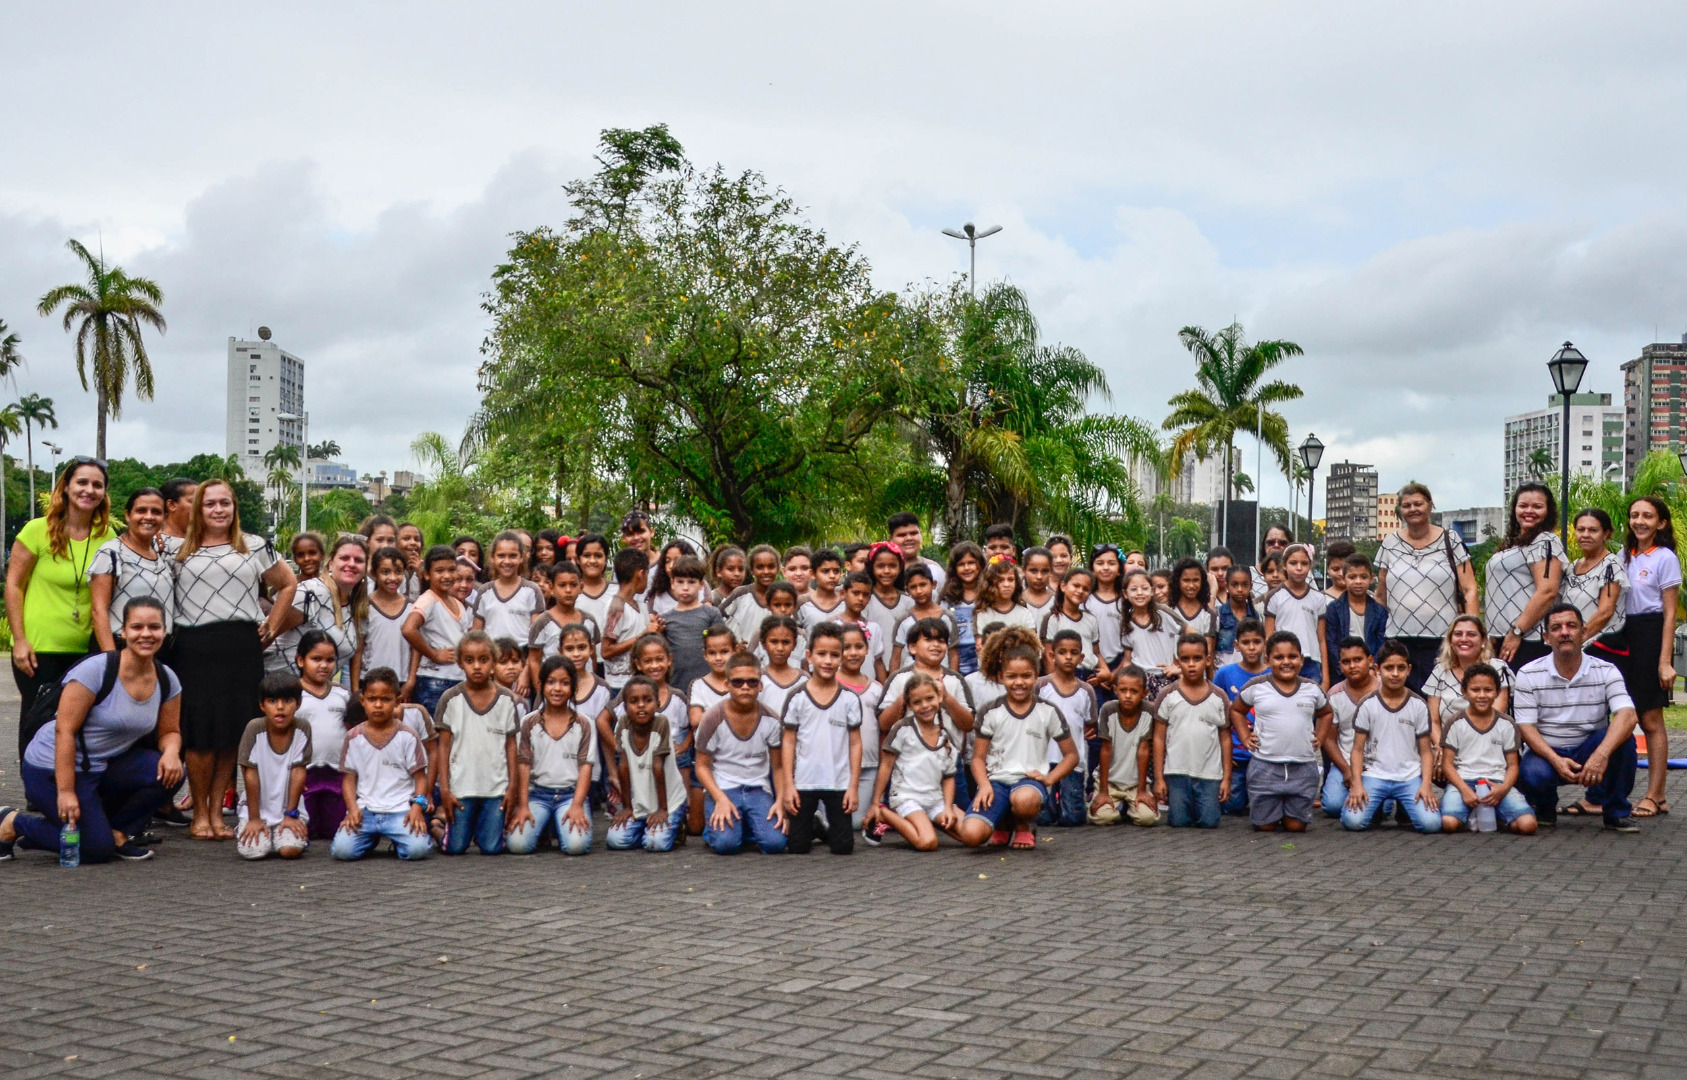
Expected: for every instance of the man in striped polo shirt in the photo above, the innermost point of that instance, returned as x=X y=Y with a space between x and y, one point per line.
x=1577 y=720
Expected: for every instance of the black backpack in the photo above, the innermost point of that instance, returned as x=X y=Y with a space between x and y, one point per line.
x=44 y=709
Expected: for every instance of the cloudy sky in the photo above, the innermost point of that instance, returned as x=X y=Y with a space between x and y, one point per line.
x=1427 y=198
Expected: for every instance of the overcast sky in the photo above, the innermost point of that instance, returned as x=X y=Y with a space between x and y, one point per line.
x=1429 y=198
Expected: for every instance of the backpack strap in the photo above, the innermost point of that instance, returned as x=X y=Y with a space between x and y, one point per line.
x=108 y=683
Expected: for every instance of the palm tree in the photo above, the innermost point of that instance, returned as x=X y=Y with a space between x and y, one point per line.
x=1540 y=462
x=324 y=451
x=108 y=313
x=10 y=358
x=37 y=412
x=1229 y=398
x=11 y=425
x=227 y=469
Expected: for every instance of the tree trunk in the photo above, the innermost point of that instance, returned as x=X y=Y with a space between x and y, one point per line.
x=99 y=440
x=954 y=502
x=29 y=451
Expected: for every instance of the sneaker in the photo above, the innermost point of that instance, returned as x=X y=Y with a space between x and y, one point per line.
x=173 y=817
x=867 y=834
x=1621 y=825
x=132 y=851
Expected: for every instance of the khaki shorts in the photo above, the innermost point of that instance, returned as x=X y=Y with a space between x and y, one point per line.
x=1123 y=806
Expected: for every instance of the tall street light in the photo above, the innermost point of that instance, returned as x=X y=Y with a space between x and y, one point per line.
x=1567 y=366
x=1311 y=452
x=303 y=420
x=57 y=452
x=972 y=236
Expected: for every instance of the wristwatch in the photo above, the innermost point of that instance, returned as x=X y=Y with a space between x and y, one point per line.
x=1518 y=630
x=290 y=813
x=420 y=800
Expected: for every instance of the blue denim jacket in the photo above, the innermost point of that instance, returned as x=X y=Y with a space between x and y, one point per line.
x=1227 y=622
x=1337 y=618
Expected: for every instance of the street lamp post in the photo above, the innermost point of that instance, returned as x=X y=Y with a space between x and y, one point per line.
x=1311 y=452
x=304 y=463
x=972 y=236
x=1567 y=366
x=57 y=451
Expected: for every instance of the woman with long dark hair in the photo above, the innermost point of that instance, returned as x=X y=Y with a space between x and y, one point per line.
x=1523 y=576
x=1654 y=585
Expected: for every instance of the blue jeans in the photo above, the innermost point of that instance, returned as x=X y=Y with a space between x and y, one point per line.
x=966 y=655
x=355 y=845
x=1001 y=800
x=1512 y=807
x=1335 y=791
x=1190 y=801
x=121 y=798
x=1237 y=804
x=547 y=805
x=1311 y=669
x=1539 y=783
x=1404 y=792
x=753 y=826
x=429 y=689
x=638 y=833
x=480 y=818
x=1066 y=805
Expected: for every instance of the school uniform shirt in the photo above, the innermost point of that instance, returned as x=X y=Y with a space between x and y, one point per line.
x=773 y=696
x=1122 y=772
x=326 y=718
x=1298 y=615
x=1108 y=615
x=870 y=694
x=275 y=768
x=385 y=783
x=1079 y=709
x=1019 y=744
x=509 y=616
x=677 y=713
x=1509 y=583
x=641 y=768
x=920 y=766
x=219 y=584
x=416 y=719
x=905 y=626
x=744 y=612
x=985 y=693
x=1152 y=646
x=595 y=606
x=878 y=646
x=984 y=615
x=1284 y=723
x=739 y=763
x=1649 y=574
x=1583 y=590
x=479 y=767
x=886 y=616
x=134 y=576
x=1202 y=622
x=1443 y=684
x=704 y=696
x=810 y=614
x=1193 y=746
x=1051 y=602
x=555 y=762
x=624 y=621
x=591 y=703
x=383 y=639
x=796 y=658
x=1480 y=755
x=1085 y=626
x=322 y=610
x=442 y=628
x=953 y=683
x=1423 y=594
x=1344 y=706
x=413 y=588
x=822 y=750
x=1391 y=736
x=545 y=635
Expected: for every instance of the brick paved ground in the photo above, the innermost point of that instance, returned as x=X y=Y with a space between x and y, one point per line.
x=1106 y=953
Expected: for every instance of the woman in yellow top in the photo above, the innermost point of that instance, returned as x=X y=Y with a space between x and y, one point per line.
x=47 y=600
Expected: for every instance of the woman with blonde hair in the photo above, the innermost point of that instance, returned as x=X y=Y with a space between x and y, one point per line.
x=334 y=601
x=1465 y=644
x=221 y=632
x=48 y=603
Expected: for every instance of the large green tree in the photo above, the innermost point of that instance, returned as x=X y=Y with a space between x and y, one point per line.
x=108 y=313
x=690 y=336
x=1005 y=419
x=1230 y=396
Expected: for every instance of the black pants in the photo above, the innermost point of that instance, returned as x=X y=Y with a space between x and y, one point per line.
x=839 y=836
x=1423 y=651
x=50 y=667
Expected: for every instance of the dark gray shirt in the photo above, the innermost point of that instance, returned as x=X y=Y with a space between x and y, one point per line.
x=684 y=631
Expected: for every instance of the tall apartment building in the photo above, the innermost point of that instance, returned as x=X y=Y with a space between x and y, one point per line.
x=1388 y=513
x=1596 y=441
x=264 y=382
x=1652 y=402
x=1350 y=501
x=1200 y=481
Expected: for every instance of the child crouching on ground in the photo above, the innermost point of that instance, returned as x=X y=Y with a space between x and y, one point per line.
x=1479 y=750
x=273 y=754
x=919 y=760
x=1127 y=756
x=386 y=777
x=555 y=748
x=655 y=789
x=1010 y=755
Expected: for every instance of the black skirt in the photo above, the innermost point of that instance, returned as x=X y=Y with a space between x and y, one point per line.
x=220 y=666
x=1644 y=636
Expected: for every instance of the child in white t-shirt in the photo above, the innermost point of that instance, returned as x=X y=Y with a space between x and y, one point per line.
x=1297 y=607
x=1479 y=751
x=1010 y=754
x=821 y=748
x=1126 y=760
x=322 y=709
x=273 y=754
x=386 y=777
x=919 y=777
x=624 y=618
x=1290 y=721
x=1076 y=702
x=436 y=623
x=654 y=815
x=555 y=749
x=855 y=675
x=1191 y=743
x=1391 y=758
x=477 y=724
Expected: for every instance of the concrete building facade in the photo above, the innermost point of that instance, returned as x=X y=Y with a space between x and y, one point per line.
x=1653 y=402
x=1350 y=501
x=1534 y=441
x=264 y=382
x=1388 y=513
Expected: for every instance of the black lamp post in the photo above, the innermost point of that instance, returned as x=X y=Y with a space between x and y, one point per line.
x=1567 y=366
x=1311 y=452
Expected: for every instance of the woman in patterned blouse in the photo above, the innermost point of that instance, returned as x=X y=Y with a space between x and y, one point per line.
x=1424 y=579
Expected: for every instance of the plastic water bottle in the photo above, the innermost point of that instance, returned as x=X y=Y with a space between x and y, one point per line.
x=70 y=844
x=1485 y=821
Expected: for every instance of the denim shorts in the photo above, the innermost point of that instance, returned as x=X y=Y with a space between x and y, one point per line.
x=1004 y=794
x=1512 y=807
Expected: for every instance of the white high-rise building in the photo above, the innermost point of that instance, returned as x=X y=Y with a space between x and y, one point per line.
x=264 y=382
x=1596 y=441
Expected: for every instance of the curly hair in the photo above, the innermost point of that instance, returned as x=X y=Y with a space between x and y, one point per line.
x=1007 y=644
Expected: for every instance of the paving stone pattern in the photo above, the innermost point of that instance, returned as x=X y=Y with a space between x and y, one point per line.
x=1105 y=953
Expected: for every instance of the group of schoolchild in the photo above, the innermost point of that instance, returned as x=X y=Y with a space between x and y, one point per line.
x=767 y=699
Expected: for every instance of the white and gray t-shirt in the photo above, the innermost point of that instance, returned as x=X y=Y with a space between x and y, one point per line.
x=1445 y=684
x=822 y=750
x=442 y=628
x=275 y=768
x=1194 y=747
x=1085 y=626
x=383 y=641
x=1477 y=754
x=1299 y=615
x=1122 y=772
x=326 y=718
x=384 y=771
x=1154 y=645
x=134 y=576
x=641 y=767
x=1080 y=709
x=554 y=761
x=739 y=762
x=1391 y=736
x=479 y=767
x=920 y=766
x=1284 y=723
x=1019 y=743
x=508 y=616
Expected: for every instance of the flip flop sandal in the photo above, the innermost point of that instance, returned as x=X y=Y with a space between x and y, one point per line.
x=1646 y=808
x=1024 y=840
x=999 y=838
x=1580 y=809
